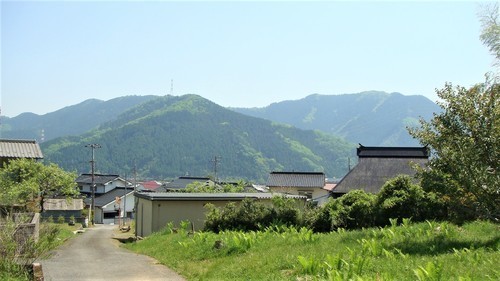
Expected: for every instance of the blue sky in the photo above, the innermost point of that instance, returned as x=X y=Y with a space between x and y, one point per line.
x=239 y=54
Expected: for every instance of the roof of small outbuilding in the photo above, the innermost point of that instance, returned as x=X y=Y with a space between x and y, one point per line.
x=182 y=196
x=20 y=149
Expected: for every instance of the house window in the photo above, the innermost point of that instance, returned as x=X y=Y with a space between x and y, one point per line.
x=308 y=194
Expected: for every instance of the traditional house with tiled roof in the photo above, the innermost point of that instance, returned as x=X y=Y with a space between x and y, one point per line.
x=309 y=184
x=16 y=149
x=376 y=165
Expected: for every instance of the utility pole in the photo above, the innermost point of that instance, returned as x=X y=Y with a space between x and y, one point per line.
x=92 y=186
x=216 y=161
x=125 y=203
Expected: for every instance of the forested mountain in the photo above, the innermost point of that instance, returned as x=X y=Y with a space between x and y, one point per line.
x=171 y=136
x=72 y=120
x=370 y=118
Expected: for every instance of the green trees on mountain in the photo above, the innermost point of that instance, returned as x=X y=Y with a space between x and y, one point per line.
x=174 y=136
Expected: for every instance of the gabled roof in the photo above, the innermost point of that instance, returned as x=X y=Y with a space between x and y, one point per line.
x=182 y=182
x=296 y=179
x=20 y=149
x=392 y=152
x=109 y=197
x=98 y=179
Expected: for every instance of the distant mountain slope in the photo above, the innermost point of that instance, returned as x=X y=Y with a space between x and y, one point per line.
x=170 y=136
x=371 y=118
x=72 y=120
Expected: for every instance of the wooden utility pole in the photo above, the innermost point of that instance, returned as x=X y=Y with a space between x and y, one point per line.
x=92 y=186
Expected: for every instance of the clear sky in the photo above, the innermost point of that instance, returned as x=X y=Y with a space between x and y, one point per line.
x=239 y=54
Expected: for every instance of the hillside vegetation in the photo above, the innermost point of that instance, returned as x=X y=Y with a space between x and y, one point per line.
x=171 y=136
x=370 y=118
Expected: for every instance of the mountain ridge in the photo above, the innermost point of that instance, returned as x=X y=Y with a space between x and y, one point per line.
x=180 y=135
x=373 y=117
x=70 y=120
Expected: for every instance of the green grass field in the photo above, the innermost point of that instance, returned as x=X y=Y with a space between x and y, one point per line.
x=423 y=251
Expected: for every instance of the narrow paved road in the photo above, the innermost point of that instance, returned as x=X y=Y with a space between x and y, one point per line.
x=94 y=255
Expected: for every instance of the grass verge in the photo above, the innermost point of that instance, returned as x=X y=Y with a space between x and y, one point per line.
x=51 y=236
x=423 y=251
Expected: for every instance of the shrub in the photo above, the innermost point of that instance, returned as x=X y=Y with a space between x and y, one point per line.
x=318 y=218
x=61 y=219
x=353 y=210
x=285 y=211
x=400 y=198
x=249 y=215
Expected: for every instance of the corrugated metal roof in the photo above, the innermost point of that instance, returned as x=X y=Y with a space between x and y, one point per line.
x=20 y=149
x=179 y=196
x=296 y=179
x=392 y=152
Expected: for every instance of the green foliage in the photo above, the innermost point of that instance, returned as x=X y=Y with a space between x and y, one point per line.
x=24 y=181
x=490 y=33
x=214 y=188
x=251 y=215
x=400 y=198
x=432 y=272
x=318 y=218
x=409 y=251
x=464 y=139
x=61 y=219
x=17 y=253
x=353 y=210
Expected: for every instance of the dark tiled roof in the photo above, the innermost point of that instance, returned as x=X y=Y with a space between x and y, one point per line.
x=180 y=196
x=392 y=152
x=98 y=178
x=182 y=182
x=20 y=149
x=296 y=179
x=109 y=197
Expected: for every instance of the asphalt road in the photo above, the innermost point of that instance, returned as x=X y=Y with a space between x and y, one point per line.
x=95 y=255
